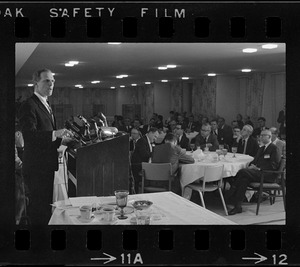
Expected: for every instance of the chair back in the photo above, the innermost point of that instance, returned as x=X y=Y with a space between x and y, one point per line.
x=213 y=173
x=281 y=169
x=157 y=171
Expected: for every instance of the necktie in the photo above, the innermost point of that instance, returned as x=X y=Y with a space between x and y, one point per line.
x=50 y=110
x=244 y=147
x=216 y=133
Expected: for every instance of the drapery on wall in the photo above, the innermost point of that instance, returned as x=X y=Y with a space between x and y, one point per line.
x=255 y=84
x=147 y=101
x=176 y=99
x=204 y=97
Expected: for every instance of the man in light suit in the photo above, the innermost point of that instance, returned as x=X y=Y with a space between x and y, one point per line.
x=279 y=143
x=267 y=158
x=142 y=153
x=41 y=140
x=225 y=134
x=206 y=137
x=247 y=144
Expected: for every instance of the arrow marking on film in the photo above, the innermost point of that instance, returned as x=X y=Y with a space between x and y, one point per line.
x=260 y=259
x=109 y=259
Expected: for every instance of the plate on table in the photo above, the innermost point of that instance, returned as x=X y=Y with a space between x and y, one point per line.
x=83 y=220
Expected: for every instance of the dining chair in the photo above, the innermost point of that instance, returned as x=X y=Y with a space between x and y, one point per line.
x=271 y=188
x=210 y=182
x=156 y=173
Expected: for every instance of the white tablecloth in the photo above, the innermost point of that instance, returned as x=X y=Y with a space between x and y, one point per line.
x=192 y=172
x=168 y=208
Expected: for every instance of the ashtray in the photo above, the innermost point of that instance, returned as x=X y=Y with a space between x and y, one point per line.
x=142 y=204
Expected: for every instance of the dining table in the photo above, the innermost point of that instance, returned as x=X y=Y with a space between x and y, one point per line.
x=190 y=173
x=168 y=208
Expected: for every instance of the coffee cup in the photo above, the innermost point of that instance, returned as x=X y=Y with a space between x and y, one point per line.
x=86 y=212
x=108 y=214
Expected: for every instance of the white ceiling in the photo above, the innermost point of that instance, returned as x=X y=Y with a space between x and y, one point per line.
x=102 y=61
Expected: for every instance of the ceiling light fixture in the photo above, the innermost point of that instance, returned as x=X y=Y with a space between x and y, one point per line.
x=30 y=84
x=122 y=76
x=249 y=50
x=78 y=85
x=164 y=81
x=171 y=66
x=147 y=82
x=162 y=68
x=69 y=65
x=112 y=87
x=122 y=86
x=185 y=78
x=95 y=82
x=269 y=46
x=246 y=70
x=134 y=84
x=114 y=43
x=73 y=62
x=211 y=74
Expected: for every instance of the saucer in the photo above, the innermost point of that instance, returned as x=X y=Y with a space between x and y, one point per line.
x=82 y=220
x=127 y=210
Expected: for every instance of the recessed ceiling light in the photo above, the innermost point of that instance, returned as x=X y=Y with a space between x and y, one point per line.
x=69 y=65
x=185 y=78
x=162 y=68
x=30 y=84
x=246 y=70
x=124 y=75
x=73 y=62
x=147 y=82
x=249 y=50
x=164 y=81
x=134 y=84
x=269 y=46
x=211 y=74
x=119 y=77
x=122 y=86
x=95 y=82
x=171 y=66
x=112 y=87
x=78 y=85
x=114 y=43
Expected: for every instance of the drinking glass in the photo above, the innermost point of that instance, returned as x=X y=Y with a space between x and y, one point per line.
x=219 y=152
x=121 y=199
x=221 y=147
x=234 y=150
x=224 y=152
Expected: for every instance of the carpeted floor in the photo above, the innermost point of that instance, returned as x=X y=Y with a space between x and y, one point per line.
x=268 y=214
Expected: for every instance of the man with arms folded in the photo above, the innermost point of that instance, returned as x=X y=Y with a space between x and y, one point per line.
x=247 y=144
x=206 y=137
x=41 y=140
x=267 y=158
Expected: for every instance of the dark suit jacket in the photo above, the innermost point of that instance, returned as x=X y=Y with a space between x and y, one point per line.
x=194 y=127
x=225 y=135
x=212 y=139
x=267 y=159
x=257 y=131
x=37 y=127
x=141 y=152
x=166 y=153
x=251 y=149
x=184 y=142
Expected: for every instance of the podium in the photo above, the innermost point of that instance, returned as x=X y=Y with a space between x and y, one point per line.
x=101 y=168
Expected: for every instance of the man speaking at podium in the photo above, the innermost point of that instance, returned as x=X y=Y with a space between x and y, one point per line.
x=41 y=140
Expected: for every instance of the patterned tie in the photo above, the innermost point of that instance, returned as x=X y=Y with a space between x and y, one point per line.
x=244 y=147
x=50 y=110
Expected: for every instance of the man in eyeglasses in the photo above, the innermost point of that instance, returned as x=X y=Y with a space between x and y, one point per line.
x=205 y=137
x=266 y=158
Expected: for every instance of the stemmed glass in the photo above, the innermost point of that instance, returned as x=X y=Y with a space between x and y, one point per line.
x=224 y=152
x=219 y=152
x=234 y=150
x=121 y=199
x=192 y=146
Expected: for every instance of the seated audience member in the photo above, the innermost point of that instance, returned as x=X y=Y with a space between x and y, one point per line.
x=192 y=125
x=281 y=120
x=248 y=121
x=239 y=119
x=170 y=152
x=172 y=126
x=147 y=127
x=182 y=140
x=206 y=137
x=225 y=134
x=262 y=126
x=247 y=144
x=170 y=118
x=234 y=124
x=279 y=143
x=137 y=125
x=142 y=153
x=180 y=121
x=266 y=158
x=236 y=136
x=135 y=135
x=159 y=123
x=127 y=125
x=214 y=127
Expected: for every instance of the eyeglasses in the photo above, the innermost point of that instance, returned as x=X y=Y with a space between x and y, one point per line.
x=205 y=130
x=265 y=135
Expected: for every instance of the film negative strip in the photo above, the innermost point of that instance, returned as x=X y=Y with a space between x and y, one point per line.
x=23 y=26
